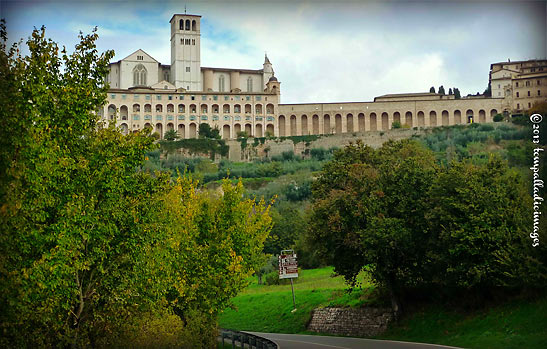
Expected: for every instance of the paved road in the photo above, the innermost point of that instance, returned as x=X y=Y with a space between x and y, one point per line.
x=294 y=341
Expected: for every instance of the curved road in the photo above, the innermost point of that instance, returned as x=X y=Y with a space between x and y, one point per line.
x=300 y=341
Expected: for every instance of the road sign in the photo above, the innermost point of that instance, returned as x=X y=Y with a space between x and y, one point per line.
x=288 y=265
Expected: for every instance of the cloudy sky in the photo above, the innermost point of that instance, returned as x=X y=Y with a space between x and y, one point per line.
x=322 y=51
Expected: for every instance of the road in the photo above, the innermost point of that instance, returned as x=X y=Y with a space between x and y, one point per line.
x=296 y=341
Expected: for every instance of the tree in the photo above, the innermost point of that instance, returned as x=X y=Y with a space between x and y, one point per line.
x=441 y=90
x=206 y=131
x=488 y=91
x=171 y=135
x=432 y=89
x=368 y=209
x=91 y=247
x=396 y=124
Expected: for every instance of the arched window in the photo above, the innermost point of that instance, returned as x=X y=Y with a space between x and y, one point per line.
x=193 y=25
x=187 y=24
x=181 y=24
x=139 y=75
x=221 y=83
x=250 y=84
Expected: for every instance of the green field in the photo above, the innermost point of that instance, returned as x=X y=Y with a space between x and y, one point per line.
x=516 y=324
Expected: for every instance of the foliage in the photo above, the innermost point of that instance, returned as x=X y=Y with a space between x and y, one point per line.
x=498 y=118
x=396 y=124
x=197 y=146
x=206 y=131
x=171 y=135
x=288 y=224
x=415 y=224
x=92 y=250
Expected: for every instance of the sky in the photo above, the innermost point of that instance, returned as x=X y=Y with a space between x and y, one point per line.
x=321 y=51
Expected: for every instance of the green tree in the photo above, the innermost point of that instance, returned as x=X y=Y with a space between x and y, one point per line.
x=171 y=135
x=206 y=131
x=396 y=124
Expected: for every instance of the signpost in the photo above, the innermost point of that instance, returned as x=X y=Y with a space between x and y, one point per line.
x=288 y=269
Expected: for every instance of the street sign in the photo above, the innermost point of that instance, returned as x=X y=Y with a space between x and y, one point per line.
x=288 y=265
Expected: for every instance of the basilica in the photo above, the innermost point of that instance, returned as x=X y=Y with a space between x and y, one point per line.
x=145 y=93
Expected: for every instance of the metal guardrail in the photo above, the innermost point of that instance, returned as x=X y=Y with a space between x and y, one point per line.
x=240 y=339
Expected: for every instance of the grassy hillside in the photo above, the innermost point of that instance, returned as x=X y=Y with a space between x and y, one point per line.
x=515 y=324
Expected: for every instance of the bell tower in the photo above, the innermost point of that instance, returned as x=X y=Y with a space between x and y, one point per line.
x=185 y=51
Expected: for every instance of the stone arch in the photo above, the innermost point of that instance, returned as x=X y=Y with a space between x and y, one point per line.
x=469 y=117
x=187 y=24
x=493 y=113
x=293 y=125
x=482 y=116
x=170 y=126
x=249 y=129
x=373 y=122
x=258 y=130
x=111 y=112
x=204 y=109
x=193 y=130
x=194 y=25
x=237 y=129
x=136 y=108
x=139 y=75
x=457 y=117
x=248 y=109
x=124 y=128
x=408 y=119
x=338 y=123
x=315 y=124
x=148 y=125
x=349 y=122
x=181 y=131
x=215 y=109
x=124 y=112
x=326 y=124
x=182 y=108
x=444 y=118
x=226 y=132
x=361 y=122
x=226 y=109
x=159 y=108
x=421 y=118
x=258 y=109
x=193 y=109
x=385 y=122
x=237 y=109
x=304 y=124
x=270 y=129
x=397 y=117
x=148 y=108
x=170 y=108
x=281 y=125
x=159 y=129
x=269 y=108
x=432 y=118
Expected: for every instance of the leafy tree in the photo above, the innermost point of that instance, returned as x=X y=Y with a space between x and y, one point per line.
x=288 y=225
x=171 y=135
x=488 y=91
x=432 y=89
x=206 y=131
x=441 y=90
x=396 y=124
x=242 y=134
x=91 y=248
x=498 y=118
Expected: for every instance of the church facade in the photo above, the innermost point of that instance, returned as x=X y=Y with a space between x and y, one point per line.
x=145 y=93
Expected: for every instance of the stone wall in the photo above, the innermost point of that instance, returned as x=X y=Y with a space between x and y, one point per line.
x=276 y=146
x=364 y=322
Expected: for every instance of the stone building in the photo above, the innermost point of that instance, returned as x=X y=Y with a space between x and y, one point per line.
x=145 y=93
x=520 y=83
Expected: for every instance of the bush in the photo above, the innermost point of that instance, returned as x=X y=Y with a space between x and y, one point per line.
x=498 y=118
x=396 y=124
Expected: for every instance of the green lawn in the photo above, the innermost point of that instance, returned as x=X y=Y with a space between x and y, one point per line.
x=515 y=324
x=269 y=308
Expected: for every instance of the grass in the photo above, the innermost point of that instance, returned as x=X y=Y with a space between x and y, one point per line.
x=262 y=308
x=265 y=308
x=515 y=324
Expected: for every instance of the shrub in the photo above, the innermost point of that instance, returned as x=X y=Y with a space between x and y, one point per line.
x=396 y=124
x=498 y=118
